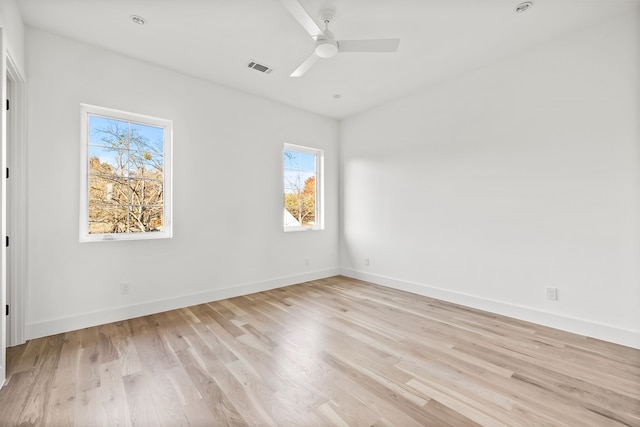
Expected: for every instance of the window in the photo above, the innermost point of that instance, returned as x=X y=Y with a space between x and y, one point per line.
x=126 y=176
x=302 y=188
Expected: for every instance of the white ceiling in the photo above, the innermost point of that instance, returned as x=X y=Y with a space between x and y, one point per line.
x=214 y=40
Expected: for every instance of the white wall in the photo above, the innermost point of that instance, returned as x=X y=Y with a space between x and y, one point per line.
x=11 y=22
x=228 y=236
x=487 y=188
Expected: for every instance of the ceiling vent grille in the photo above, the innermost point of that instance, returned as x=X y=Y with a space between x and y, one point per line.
x=260 y=67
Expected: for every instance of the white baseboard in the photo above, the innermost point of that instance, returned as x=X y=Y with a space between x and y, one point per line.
x=569 y=324
x=85 y=320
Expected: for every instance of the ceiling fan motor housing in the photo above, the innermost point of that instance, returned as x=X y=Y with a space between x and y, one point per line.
x=326 y=48
x=326 y=45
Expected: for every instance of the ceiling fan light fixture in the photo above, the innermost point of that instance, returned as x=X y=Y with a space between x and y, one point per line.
x=326 y=48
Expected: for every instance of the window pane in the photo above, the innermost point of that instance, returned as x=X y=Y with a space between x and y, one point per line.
x=301 y=206
x=107 y=160
x=107 y=190
x=125 y=190
x=300 y=187
x=108 y=132
x=107 y=219
x=146 y=163
x=145 y=218
x=298 y=181
x=307 y=162
x=291 y=160
x=295 y=160
x=146 y=138
x=145 y=191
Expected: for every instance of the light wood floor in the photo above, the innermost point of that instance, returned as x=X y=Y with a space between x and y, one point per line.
x=333 y=352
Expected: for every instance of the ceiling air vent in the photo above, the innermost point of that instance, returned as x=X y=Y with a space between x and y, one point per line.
x=260 y=67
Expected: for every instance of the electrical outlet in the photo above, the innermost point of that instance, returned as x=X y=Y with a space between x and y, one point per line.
x=552 y=293
x=125 y=288
x=307 y=262
x=366 y=262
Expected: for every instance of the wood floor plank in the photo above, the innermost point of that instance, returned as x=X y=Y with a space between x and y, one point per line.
x=194 y=407
x=88 y=409
x=113 y=395
x=62 y=402
x=14 y=394
x=218 y=403
x=33 y=408
x=360 y=399
x=141 y=406
x=330 y=352
x=166 y=401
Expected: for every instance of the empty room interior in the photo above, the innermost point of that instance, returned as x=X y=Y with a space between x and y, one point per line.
x=320 y=213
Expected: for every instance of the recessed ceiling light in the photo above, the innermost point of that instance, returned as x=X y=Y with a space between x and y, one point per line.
x=337 y=96
x=138 y=20
x=523 y=7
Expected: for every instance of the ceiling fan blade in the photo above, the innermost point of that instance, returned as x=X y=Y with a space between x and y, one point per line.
x=301 y=15
x=304 y=67
x=381 y=45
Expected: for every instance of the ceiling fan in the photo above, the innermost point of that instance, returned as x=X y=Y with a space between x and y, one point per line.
x=326 y=44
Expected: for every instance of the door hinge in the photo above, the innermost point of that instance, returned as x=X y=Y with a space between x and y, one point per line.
x=7 y=310
x=7 y=105
x=7 y=241
x=7 y=173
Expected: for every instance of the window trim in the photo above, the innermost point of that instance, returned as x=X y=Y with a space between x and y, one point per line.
x=319 y=214
x=87 y=110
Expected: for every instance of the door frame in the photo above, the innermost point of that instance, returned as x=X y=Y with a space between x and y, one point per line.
x=16 y=201
x=3 y=210
x=9 y=71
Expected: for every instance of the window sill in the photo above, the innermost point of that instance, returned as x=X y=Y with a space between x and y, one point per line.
x=124 y=237
x=294 y=229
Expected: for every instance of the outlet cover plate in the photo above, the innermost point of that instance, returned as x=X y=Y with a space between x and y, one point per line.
x=125 y=288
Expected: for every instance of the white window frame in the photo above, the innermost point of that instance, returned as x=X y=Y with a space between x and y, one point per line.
x=319 y=166
x=167 y=126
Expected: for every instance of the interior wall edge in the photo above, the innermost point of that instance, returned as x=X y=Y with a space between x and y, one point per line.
x=577 y=326
x=116 y=314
